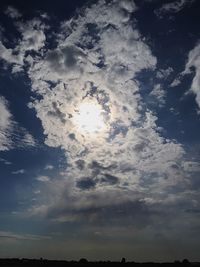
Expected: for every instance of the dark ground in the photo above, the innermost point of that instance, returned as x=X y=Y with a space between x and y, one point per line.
x=83 y=262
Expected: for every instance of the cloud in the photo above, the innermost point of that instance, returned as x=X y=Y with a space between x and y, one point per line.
x=49 y=167
x=172 y=7
x=32 y=40
x=21 y=171
x=6 y=162
x=43 y=178
x=11 y=235
x=5 y=125
x=164 y=73
x=11 y=134
x=12 y=12
x=37 y=192
x=194 y=62
x=191 y=166
x=176 y=81
x=97 y=57
x=9 y=55
x=33 y=37
x=159 y=93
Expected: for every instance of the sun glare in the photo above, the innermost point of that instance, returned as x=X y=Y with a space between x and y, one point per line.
x=89 y=118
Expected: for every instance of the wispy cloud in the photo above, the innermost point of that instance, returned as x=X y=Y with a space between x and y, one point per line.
x=159 y=93
x=21 y=171
x=6 y=162
x=13 y=12
x=172 y=7
x=11 y=134
x=43 y=178
x=49 y=167
x=15 y=236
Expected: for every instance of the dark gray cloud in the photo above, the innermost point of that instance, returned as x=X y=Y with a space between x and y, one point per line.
x=110 y=179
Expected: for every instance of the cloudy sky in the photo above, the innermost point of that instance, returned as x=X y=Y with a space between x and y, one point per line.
x=99 y=129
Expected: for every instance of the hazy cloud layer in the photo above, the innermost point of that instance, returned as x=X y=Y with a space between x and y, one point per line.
x=6 y=235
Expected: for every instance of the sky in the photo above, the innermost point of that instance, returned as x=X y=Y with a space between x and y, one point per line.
x=99 y=129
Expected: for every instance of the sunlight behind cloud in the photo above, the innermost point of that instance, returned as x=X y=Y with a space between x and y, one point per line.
x=89 y=118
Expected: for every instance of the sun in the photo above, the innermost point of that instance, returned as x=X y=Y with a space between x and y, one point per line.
x=89 y=119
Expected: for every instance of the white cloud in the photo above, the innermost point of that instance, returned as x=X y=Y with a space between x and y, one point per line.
x=176 y=82
x=12 y=12
x=37 y=192
x=32 y=39
x=194 y=61
x=172 y=7
x=49 y=167
x=43 y=178
x=159 y=93
x=11 y=134
x=125 y=154
x=164 y=73
x=21 y=171
x=98 y=56
x=9 y=55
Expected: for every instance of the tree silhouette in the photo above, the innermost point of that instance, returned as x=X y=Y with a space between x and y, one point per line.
x=83 y=260
x=185 y=261
x=123 y=260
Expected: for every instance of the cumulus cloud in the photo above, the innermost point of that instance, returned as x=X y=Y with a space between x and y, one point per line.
x=99 y=60
x=32 y=40
x=33 y=37
x=98 y=55
x=194 y=61
x=11 y=134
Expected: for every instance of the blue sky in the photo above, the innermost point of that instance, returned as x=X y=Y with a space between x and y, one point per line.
x=99 y=129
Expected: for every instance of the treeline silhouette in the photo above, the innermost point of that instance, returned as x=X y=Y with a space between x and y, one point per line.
x=16 y=262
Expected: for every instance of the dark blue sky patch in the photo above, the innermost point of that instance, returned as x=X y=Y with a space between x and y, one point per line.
x=86 y=184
